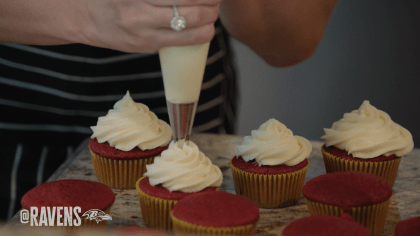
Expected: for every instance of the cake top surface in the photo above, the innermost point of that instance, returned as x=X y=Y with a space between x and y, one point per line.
x=251 y=167
x=347 y=189
x=130 y=125
x=322 y=225
x=369 y=133
x=216 y=209
x=408 y=227
x=274 y=144
x=138 y=231
x=343 y=154
x=70 y=192
x=183 y=167
x=161 y=192
x=105 y=150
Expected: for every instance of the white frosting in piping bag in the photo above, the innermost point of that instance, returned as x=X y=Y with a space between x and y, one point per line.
x=368 y=133
x=274 y=144
x=182 y=167
x=131 y=125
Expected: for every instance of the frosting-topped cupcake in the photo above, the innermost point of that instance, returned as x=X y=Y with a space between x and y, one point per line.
x=366 y=140
x=271 y=151
x=180 y=171
x=131 y=134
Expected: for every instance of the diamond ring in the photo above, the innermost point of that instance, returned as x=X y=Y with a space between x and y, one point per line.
x=177 y=22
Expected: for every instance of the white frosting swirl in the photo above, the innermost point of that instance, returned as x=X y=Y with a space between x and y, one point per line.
x=274 y=144
x=131 y=124
x=368 y=133
x=182 y=167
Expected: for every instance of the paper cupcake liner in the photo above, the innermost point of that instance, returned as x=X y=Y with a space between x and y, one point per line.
x=372 y=217
x=185 y=228
x=120 y=174
x=387 y=170
x=85 y=224
x=269 y=191
x=155 y=211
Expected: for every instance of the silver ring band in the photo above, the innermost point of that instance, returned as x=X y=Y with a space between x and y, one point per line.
x=177 y=22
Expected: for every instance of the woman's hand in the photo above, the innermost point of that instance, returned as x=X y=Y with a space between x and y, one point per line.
x=141 y=26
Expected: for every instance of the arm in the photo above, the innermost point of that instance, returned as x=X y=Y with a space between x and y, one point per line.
x=125 y=25
x=282 y=32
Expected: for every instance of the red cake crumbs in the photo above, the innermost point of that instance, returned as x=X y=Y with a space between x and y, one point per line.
x=161 y=192
x=103 y=149
x=321 y=225
x=216 y=209
x=252 y=167
x=347 y=189
x=138 y=231
x=70 y=192
x=409 y=227
x=343 y=154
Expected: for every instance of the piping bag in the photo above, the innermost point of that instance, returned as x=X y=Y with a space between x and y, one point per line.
x=183 y=71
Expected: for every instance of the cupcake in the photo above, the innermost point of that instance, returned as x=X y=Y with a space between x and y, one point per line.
x=215 y=213
x=270 y=165
x=364 y=196
x=409 y=227
x=321 y=225
x=69 y=194
x=366 y=140
x=124 y=141
x=181 y=171
x=137 y=231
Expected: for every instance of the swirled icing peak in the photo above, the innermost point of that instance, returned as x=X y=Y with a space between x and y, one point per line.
x=368 y=133
x=274 y=144
x=131 y=125
x=182 y=167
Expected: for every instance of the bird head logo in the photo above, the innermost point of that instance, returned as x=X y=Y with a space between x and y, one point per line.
x=96 y=215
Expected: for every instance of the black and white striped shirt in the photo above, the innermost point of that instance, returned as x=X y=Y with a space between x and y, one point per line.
x=51 y=95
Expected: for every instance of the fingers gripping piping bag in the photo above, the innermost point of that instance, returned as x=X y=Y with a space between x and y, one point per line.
x=183 y=70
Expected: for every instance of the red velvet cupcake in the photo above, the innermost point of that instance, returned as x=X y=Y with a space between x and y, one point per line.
x=366 y=140
x=87 y=195
x=133 y=231
x=181 y=171
x=409 y=227
x=124 y=141
x=364 y=196
x=325 y=225
x=215 y=213
x=270 y=166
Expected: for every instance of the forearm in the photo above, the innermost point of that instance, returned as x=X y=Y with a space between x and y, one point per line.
x=41 y=22
x=282 y=32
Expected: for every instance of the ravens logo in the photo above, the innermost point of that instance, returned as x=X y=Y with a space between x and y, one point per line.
x=96 y=215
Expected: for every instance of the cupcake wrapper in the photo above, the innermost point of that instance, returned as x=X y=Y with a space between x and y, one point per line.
x=86 y=224
x=269 y=191
x=155 y=211
x=185 y=228
x=120 y=174
x=387 y=170
x=372 y=217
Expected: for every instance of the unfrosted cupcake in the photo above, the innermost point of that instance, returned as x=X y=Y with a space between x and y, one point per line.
x=181 y=171
x=137 y=231
x=215 y=213
x=270 y=165
x=364 y=196
x=321 y=225
x=71 y=193
x=408 y=227
x=366 y=140
x=124 y=141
